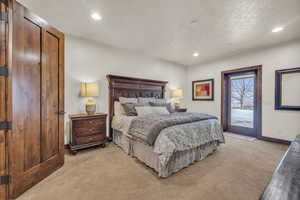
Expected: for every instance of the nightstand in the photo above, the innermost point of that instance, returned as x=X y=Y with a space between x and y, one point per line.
x=87 y=131
x=181 y=110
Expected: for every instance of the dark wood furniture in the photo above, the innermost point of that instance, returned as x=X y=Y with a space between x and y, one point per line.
x=87 y=131
x=285 y=182
x=121 y=86
x=31 y=99
x=181 y=110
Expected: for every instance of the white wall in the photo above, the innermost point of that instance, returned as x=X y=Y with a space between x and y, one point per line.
x=88 y=61
x=276 y=124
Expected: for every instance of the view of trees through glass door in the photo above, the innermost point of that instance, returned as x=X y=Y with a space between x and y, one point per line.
x=242 y=100
x=241 y=108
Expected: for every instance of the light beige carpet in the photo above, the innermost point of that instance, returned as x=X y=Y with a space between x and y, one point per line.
x=239 y=170
x=242 y=137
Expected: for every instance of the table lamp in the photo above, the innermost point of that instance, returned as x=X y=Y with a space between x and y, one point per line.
x=177 y=95
x=89 y=90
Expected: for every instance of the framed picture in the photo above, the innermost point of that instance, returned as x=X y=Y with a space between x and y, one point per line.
x=287 y=90
x=203 y=90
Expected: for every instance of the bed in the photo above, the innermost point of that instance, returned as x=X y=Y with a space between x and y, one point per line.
x=175 y=146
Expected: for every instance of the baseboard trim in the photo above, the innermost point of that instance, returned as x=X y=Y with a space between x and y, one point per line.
x=275 y=140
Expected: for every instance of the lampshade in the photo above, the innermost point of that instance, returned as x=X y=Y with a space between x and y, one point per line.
x=89 y=89
x=177 y=93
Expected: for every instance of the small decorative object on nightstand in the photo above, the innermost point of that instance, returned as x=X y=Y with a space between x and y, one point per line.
x=181 y=110
x=87 y=131
x=89 y=90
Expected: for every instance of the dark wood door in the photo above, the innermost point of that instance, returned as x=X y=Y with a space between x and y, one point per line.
x=36 y=143
x=3 y=79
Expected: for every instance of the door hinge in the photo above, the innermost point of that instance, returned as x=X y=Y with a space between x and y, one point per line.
x=3 y=71
x=5 y=126
x=62 y=113
x=5 y=180
x=4 y=17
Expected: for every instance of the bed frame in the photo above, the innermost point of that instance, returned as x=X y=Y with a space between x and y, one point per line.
x=121 y=86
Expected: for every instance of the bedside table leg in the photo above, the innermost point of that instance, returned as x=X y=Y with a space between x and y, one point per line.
x=73 y=152
x=103 y=145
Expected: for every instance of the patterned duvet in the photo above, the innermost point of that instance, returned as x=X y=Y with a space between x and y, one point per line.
x=176 y=136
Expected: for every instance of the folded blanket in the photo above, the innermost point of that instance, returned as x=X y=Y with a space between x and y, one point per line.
x=147 y=128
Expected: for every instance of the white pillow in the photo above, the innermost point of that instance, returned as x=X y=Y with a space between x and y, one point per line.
x=146 y=100
x=146 y=110
x=118 y=108
x=160 y=101
x=127 y=100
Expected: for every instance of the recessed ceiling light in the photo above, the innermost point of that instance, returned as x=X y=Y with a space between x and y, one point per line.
x=195 y=54
x=277 y=29
x=96 y=16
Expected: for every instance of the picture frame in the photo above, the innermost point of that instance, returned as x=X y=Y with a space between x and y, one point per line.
x=287 y=90
x=203 y=90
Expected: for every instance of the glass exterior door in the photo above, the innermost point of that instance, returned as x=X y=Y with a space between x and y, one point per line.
x=241 y=103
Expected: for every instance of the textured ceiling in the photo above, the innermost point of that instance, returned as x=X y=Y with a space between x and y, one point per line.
x=174 y=29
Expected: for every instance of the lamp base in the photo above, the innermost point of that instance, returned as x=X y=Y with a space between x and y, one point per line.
x=90 y=107
x=177 y=105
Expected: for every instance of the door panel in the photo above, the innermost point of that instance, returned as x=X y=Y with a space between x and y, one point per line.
x=24 y=142
x=26 y=93
x=26 y=96
x=36 y=146
x=3 y=62
x=50 y=96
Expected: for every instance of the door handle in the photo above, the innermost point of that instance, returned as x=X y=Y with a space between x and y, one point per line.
x=62 y=113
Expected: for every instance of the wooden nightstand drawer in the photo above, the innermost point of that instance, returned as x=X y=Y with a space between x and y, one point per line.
x=87 y=131
x=86 y=127
x=89 y=123
x=90 y=139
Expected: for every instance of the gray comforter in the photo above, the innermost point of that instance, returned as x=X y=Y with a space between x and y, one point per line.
x=148 y=128
x=177 y=132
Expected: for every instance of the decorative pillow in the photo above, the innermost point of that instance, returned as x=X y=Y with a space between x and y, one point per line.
x=128 y=100
x=118 y=108
x=146 y=101
x=130 y=108
x=160 y=101
x=146 y=110
x=163 y=104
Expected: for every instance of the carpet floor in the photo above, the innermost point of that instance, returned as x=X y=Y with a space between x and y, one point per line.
x=239 y=170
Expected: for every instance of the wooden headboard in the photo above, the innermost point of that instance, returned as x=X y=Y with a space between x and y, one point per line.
x=121 y=86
